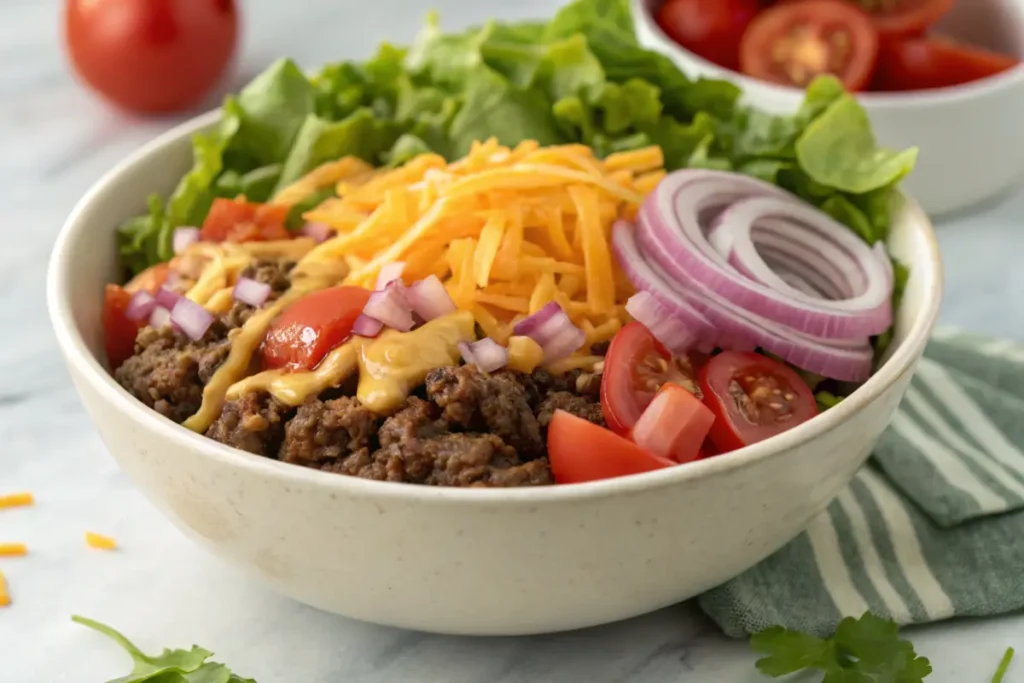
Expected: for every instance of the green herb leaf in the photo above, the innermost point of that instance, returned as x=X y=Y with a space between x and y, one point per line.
x=170 y=666
x=865 y=650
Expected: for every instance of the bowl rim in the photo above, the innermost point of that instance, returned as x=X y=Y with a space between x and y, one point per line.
x=642 y=15
x=88 y=369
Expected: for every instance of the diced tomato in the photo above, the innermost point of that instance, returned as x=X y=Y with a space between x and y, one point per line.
x=709 y=28
x=636 y=366
x=753 y=397
x=236 y=220
x=793 y=43
x=150 y=279
x=674 y=425
x=119 y=330
x=309 y=328
x=924 y=63
x=582 y=451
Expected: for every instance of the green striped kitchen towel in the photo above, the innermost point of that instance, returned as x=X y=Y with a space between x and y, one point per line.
x=931 y=528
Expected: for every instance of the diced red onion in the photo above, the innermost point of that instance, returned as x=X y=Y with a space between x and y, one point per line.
x=320 y=232
x=429 y=299
x=389 y=273
x=250 y=291
x=365 y=326
x=672 y=228
x=389 y=307
x=159 y=317
x=467 y=353
x=553 y=330
x=166 y=297
x=193 y=319
x=488 y=355
x=662 y=322
x=184 y=238
x=140 y=306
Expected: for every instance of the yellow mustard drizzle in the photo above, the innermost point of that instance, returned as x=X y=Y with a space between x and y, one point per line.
x=293 y=388
x=246 y=339
x=396 y=362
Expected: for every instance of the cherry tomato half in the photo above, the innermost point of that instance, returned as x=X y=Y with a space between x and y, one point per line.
x=793 y=43
x=151 y=55
x=709 y=28
x=635 y=368
x=309 y=328
x=119 y=331
x=923 y=63
x=582 y=451
x=894 y=19
x=674 y=425
x=236 y=220
x=753 y=398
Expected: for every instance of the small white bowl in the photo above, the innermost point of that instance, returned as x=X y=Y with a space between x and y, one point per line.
x=971 y=138
x=467 y=561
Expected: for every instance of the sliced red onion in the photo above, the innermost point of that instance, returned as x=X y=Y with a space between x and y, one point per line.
x=184 y=238
x=673 y=226
x=389 y=273
x=365 y=326
x=553 y=330
x=193 y=319
x=429 y=299
x=663 y=323
x=159 y=317
x=389 y=307
x=737 y=328
x=250 y=291
x=140 y=306
x=320 y=232
x=488 y=355
x=166 y=297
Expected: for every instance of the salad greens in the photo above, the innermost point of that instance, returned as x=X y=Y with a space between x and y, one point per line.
x=865 y=650
x=581 y=77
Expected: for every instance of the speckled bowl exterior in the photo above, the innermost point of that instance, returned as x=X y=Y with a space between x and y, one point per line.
x=481 y=562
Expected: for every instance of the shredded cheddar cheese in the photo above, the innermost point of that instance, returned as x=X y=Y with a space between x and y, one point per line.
x=5 y=597
x=13 y=549
x=506 y=230
x=16 y=500
x=99 y=541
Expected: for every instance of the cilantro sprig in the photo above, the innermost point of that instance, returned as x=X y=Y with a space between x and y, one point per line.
x=170 y=666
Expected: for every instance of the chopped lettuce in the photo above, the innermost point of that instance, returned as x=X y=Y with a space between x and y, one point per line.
x=581 y=77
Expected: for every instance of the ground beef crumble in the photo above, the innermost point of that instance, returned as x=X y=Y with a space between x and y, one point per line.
x=325 y=432
x=254 y=423
x=169 y=370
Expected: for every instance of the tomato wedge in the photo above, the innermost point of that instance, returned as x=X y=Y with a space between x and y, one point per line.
x=119 y=330
x=150 y=279
x=236 y=220
x=753 y=397
x=793 y=43
x=309 y=328
x=582 y=451
x=674 y=425
x=709 y=28
x=635 y=368
x=925 y=63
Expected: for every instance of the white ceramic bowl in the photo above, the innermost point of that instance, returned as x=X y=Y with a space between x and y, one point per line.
x=970 y=138
x=459 y=560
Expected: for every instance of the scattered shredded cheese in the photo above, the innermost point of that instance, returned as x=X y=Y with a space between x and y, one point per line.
x=13 y=549
x=16 y=500
x=506 y=230
x=99 y=541
x=5 y=597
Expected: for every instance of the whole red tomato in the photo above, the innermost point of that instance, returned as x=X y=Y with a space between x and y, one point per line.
x=151 y=56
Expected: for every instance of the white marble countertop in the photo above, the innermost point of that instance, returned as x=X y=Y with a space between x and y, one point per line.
x=162 y=590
